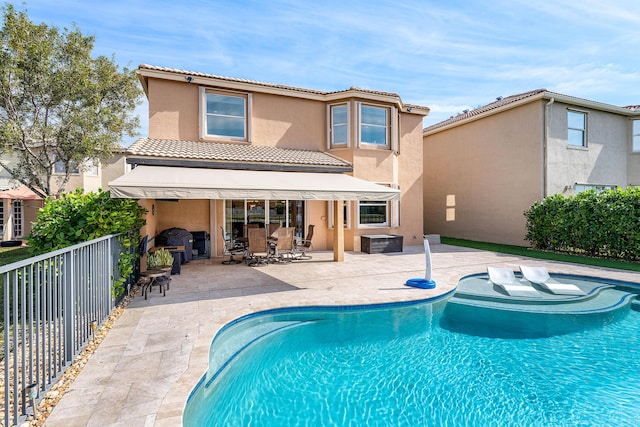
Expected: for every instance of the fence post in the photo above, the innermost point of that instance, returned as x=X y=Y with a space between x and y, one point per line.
x=113 y=276
x=69 y=313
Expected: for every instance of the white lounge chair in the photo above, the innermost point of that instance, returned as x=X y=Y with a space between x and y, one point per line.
x=540 y=276
x=506 y=280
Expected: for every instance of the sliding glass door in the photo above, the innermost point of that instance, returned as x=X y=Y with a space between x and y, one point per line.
x=240 y=214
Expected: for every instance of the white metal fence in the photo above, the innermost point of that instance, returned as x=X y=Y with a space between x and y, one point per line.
x=49 y=305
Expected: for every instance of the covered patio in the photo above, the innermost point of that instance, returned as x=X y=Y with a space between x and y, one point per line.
x=176 y=182
x=158 y=350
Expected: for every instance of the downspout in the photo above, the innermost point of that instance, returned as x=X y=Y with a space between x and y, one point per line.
x=545 y=140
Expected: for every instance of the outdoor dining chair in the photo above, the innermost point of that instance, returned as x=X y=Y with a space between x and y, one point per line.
x=284 y=246
x=231 y=248
x=257 y=251
x=302 y=246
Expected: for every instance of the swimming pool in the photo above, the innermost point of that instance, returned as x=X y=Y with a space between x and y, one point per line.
x=404 y=365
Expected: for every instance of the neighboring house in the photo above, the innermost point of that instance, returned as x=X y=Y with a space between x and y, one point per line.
x=17 y=215
x=96 y=174
x=227 y=152
x=485 y=167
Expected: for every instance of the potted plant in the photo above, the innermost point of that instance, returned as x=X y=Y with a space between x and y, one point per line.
x=161 y=259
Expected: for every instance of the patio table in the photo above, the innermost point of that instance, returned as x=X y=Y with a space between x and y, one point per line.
x=155 y=275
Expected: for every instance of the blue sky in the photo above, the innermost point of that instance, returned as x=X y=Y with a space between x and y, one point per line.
x=447 y=55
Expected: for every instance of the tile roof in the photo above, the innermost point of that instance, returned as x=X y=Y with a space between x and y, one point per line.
x=499 y=102
x=229 y=152
x=259 y=83
x=502 y=102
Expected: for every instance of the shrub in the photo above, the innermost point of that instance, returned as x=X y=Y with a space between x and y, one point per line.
x=160 y=258
x=596 y=224
x=79 y=217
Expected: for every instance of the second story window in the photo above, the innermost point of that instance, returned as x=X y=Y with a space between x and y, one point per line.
x=635 y=137
x=225 y=115
x=339 y=124
x=576 y=129
x=374 y=125
x=60 y=168
x=92 y=167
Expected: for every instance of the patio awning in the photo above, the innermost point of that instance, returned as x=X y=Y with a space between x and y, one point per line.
x=168 y=182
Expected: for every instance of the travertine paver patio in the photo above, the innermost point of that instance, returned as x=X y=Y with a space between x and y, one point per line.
x=144 y=370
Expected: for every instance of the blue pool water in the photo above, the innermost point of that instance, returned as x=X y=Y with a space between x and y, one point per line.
x=405 y=366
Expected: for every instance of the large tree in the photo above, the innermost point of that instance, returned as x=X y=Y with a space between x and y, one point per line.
x=58 y=103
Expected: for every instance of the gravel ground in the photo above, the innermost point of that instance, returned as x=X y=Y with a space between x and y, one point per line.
x=55 y=393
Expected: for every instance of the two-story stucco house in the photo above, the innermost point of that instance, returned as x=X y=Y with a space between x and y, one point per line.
x=223 y=153
x=485 y=167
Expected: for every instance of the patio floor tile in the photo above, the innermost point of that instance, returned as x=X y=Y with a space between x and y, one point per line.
x=158 y=350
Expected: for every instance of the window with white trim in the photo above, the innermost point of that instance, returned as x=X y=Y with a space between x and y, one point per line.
x=635 y=137
x=1 y=217
x=346 y=213
x=576 y=128
x=579 y=188
x=339 y=124
x=61 y=169
x=225 y=115
x=374 y=125
x=92 y=167
x=17 y=218
x=373 y=213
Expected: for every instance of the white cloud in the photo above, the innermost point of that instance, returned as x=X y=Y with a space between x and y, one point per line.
x=449 y=57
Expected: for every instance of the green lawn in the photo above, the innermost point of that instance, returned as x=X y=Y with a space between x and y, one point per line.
x=532 y=253
x=9 y=255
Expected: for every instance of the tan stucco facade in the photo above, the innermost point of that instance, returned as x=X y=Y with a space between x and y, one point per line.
x=295 y=120
x=483 y=172
x=479 y=178
x=602 y=161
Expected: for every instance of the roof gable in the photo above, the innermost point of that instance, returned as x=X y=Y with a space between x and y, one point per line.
x=146 y=71
x=501 y=104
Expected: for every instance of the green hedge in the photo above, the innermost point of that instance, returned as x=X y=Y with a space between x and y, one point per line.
x=79 y=217
x=605 y=224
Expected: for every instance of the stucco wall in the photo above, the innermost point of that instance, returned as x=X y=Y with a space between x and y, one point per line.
x=291 y=122
x=173 y=110
x=479 y=178
x=603 y=161
x=113 y=168
x=192 y=215
x=633 y=169
x=288 y=122
x=275 y=120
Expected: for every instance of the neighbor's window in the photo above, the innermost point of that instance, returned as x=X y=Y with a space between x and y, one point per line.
x=339 y=125
x=1 y=217
x=225 y=115
x=576 y=129
x=374 y=125
x=17 y=218
x=373 y=213
x=636 y=136
x=60 y=168
x=92 y=167
x=579 y=188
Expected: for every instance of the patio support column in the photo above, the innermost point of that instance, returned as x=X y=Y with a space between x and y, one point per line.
x=338 y=230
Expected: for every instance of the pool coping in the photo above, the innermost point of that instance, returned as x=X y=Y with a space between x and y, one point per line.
x=155 y=354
